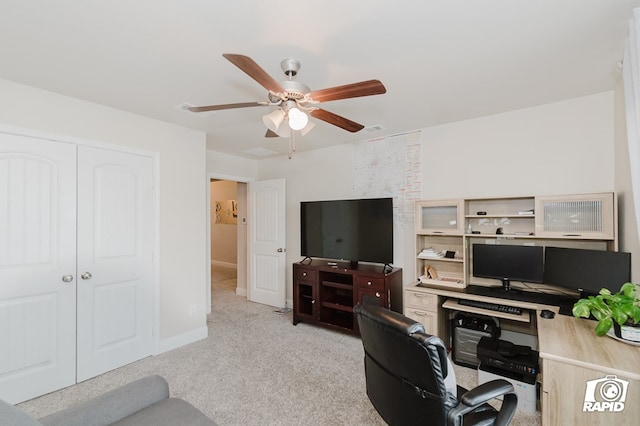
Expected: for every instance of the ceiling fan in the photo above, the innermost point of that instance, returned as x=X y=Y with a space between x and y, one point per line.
x=295 y=100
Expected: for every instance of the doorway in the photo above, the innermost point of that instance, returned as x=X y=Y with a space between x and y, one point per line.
x=228 y=234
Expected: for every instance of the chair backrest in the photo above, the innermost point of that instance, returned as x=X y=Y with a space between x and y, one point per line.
x=404 y=368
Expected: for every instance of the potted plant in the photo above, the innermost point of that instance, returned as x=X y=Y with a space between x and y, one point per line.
x=620 y=310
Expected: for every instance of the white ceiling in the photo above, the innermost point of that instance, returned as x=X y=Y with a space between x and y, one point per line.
x=440 y=60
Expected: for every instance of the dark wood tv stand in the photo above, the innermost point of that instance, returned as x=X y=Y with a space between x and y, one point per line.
x=325 y=291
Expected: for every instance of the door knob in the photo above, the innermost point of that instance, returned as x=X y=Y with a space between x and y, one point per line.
x=280 y=250
x=86 y=276
x=67 y=278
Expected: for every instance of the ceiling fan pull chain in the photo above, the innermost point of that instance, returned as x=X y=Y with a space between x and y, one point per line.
x=293 y=139
x=291 y=143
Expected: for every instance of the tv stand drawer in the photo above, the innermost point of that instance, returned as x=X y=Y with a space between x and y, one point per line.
x=304 y=274
x=370 y=282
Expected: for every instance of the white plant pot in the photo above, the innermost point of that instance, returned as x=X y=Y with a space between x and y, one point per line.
x=627 y=332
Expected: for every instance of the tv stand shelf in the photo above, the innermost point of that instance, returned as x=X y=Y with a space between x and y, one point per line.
x=337 y=306
x=337 y=285
x=325 y=291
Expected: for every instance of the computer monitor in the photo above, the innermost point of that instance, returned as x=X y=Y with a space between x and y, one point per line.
x=508 y=263
x=587 y=271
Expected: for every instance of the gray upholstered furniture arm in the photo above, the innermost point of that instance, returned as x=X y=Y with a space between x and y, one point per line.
x=482 y=394
x=112 y=406
x=10 y=415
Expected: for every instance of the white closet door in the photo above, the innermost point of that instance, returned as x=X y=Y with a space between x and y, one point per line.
x=115 y=273
x=37 y=266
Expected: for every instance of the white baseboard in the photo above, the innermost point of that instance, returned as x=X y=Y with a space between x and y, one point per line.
x=223 y=264
x=181 y=340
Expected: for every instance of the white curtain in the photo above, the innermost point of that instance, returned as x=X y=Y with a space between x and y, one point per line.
x=631 y=78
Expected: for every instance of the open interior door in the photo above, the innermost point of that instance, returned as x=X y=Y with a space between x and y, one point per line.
x=267 y=237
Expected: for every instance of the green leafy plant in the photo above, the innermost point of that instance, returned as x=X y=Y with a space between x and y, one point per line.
x=622 y=307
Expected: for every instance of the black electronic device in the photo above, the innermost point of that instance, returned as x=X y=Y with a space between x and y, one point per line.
x=546 y=313
x=508 y=263
x=353 y=230
x=491 y=306
x=586 y=271
x=467 y=331
x=505 y=358
x=522 y=296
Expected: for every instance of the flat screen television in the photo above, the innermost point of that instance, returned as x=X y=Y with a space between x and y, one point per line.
x=354 y=230
x=508 y=263
x=587 y=271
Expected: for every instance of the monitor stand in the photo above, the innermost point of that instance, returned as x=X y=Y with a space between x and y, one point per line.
x=504 y=288
x=505 y=291
x=506 y=284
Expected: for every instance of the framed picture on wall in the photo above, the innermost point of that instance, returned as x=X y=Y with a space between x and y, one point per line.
x=227 y=212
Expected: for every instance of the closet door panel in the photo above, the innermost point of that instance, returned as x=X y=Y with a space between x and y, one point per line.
x=37 y=266
x=115 y=243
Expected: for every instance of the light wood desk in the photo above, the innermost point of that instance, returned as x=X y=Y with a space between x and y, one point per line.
x=570 y=355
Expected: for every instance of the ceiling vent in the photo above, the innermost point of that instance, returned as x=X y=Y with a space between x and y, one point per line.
x=374 y=128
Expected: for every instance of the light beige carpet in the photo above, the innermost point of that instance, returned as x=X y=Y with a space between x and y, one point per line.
x=256 y=368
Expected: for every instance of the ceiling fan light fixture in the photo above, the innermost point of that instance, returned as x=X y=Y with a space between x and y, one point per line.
x=284 y=132
x=274 y=119
x=297 y=119
x=310 y=125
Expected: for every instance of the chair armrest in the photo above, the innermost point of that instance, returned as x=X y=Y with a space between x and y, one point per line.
x=485 y=392
x=112 y=406
x=481 y=394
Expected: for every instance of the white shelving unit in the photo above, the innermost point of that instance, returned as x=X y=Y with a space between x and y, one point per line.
x=453 y=226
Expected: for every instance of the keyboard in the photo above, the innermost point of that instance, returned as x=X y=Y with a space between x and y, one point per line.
x=521 y=296
x=491 y=306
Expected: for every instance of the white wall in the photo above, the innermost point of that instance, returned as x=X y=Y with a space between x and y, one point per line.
x=560 y=148
x=182 y=192
x=629 y=240
x=224 y=166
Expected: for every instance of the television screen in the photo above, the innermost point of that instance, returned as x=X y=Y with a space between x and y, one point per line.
x=354 y=230
x=508 y=262
x=586 y=270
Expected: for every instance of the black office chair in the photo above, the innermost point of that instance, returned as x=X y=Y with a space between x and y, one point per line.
x=405 y=371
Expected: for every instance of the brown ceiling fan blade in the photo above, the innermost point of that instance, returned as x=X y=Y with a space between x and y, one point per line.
x=336 y=120
x=254 y=71
x=355 y=90
x=225 y=106
x=271 y=134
